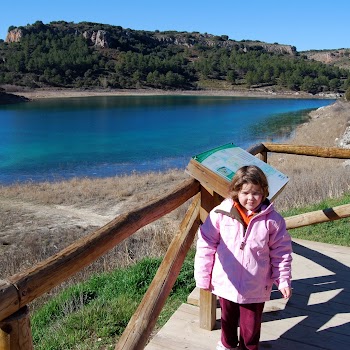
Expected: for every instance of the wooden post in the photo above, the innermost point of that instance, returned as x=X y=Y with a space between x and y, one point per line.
x=4 y=340
x=207 y=300
x=15 y=331
x=207 y=310
x=209 y=200
x=262 y=156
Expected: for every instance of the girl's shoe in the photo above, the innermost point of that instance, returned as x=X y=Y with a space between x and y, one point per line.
x=220 y=346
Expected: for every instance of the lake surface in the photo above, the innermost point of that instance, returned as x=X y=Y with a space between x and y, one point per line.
x=106 y=136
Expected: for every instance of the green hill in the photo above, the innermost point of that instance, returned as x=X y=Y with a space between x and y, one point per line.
x=92 y=55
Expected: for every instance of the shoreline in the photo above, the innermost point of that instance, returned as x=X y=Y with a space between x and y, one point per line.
x=249 y=93
x=332 y=122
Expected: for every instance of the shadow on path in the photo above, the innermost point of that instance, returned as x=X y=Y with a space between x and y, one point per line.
x=319 y=307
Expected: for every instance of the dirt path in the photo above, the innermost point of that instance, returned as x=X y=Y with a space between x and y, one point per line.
x=69 y=215
x=42 y=230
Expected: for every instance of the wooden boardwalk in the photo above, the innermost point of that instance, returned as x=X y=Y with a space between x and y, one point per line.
x=316 y=317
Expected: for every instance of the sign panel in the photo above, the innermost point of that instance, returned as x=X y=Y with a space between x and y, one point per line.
x=227 y=159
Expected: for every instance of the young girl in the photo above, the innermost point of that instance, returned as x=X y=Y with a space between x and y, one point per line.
x=243 y=248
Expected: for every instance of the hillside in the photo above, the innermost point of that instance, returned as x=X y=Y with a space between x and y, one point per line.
x=339 y=58
x=92 y=55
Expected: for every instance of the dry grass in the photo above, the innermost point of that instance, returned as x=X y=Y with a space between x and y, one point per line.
x=39 y=219
x=311 y=181
x=99 y=193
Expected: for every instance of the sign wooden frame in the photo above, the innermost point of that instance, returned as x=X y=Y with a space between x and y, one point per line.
x=215 y=168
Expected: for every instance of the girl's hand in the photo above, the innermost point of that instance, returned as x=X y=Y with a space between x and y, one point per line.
x=286 y=292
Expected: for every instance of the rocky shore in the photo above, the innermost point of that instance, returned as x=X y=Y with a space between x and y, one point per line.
x=335 y=120
x=328 y=126
x=66 y=93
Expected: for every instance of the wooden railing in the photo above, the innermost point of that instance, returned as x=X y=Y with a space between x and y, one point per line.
x=17 y=291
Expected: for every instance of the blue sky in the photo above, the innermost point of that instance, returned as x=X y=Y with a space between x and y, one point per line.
x=305 y=24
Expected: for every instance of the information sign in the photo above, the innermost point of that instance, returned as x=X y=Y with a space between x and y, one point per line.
x=227 y=159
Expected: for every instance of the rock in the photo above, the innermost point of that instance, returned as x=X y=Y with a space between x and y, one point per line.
x=209 y=40
x=14 y=36
x=344 y=141
x=98 y=38
x=346 y=163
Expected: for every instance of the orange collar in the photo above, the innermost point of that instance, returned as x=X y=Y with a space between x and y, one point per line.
x=245 y=217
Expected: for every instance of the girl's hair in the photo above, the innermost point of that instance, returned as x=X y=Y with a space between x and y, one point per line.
x=249 y=174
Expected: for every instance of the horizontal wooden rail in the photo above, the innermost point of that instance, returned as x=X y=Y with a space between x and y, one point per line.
x=319 y=216
x=325 y=152
x=141 y=324
x=22 y=288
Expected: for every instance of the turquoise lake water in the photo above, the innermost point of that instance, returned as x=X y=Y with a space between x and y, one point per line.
x=107 y=136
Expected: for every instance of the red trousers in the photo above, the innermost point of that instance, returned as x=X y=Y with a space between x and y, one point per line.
x=248 y=317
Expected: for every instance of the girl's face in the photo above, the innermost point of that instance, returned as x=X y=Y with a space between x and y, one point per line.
x=250 y=196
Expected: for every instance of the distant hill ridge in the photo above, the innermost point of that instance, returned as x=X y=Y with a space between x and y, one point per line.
x=106 y=36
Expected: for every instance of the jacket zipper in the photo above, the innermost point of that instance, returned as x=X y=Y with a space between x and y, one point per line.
x=243 y=243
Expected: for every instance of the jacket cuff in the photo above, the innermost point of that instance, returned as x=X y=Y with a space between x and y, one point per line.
x=203 y=284
x=283 y=284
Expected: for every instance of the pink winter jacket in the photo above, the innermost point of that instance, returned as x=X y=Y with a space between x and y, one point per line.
x=242 y=267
